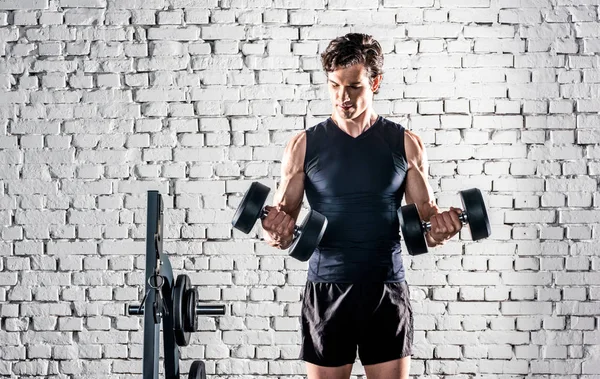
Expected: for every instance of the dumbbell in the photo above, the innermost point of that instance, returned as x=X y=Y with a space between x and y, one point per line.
x=306 y=236
x=474 y=213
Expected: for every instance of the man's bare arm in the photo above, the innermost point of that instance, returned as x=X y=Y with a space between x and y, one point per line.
x=288 y=196
x=419 y=192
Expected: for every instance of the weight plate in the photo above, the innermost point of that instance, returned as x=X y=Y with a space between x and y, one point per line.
x=190 y=323
x=477 y=216
x=412 y=229
x=250 y=207
x=197 y=370
x=310 y=233
x=182 y=285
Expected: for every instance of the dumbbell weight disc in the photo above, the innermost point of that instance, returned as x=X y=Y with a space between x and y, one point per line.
x=182 y=285
x=250 y=207
x=412 y=230
x=197 y=370
x=477 y=216
x=190 y=323
x=310 y=233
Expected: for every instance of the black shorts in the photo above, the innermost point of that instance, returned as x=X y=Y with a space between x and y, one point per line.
x=339 y=317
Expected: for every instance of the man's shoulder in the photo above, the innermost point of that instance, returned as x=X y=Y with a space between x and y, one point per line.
x=320 y=126
x=317 y=129
x=392 y=123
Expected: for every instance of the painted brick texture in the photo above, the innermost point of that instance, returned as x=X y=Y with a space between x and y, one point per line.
x=102 y=100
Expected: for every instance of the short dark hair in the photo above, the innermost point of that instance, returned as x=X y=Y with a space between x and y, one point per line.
x=351 y=49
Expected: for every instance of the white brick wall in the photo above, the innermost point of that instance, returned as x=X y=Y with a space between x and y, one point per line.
x=102 y=100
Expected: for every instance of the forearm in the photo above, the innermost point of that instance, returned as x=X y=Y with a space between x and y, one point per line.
x=287 y=200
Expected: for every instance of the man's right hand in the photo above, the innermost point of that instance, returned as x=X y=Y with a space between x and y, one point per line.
x=279 y=224
x=279 y=227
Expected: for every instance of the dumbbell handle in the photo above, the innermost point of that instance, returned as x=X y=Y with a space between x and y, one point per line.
x=462 y=217
x=201 y=309
x=264 y=214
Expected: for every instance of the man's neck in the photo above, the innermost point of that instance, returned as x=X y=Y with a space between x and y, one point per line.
x=358 y=125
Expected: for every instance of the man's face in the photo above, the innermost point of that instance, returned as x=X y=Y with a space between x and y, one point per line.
x=351 y=91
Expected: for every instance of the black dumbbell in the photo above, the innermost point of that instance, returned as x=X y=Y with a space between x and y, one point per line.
x=474 y=213
x=306 y=236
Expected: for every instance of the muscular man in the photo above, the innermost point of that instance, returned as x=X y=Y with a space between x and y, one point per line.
x=355 y=168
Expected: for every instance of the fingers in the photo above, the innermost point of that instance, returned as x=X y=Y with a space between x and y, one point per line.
x=279 y=225
x=450 y=221
x=445 y=225
x=456 y=222
x=287 y=236
x=435 y=225
x=291 y=225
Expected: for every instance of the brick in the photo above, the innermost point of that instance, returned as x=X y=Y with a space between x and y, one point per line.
x=473 y=308
x=498 y=122
x=408 y=3
x=529 y=91
x=473 y=15
x=440 y=30
x=452 y=338
x=473 y=278
x=526 y=308
x=520 y=16
x=23 y=4
x=83 y=3
x=586 y=29
x=499 y=31
x=223 y=32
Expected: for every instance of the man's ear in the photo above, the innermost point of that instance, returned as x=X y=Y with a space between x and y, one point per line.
x=376 y=83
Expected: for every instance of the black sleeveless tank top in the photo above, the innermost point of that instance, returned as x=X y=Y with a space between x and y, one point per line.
x=358 y=184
